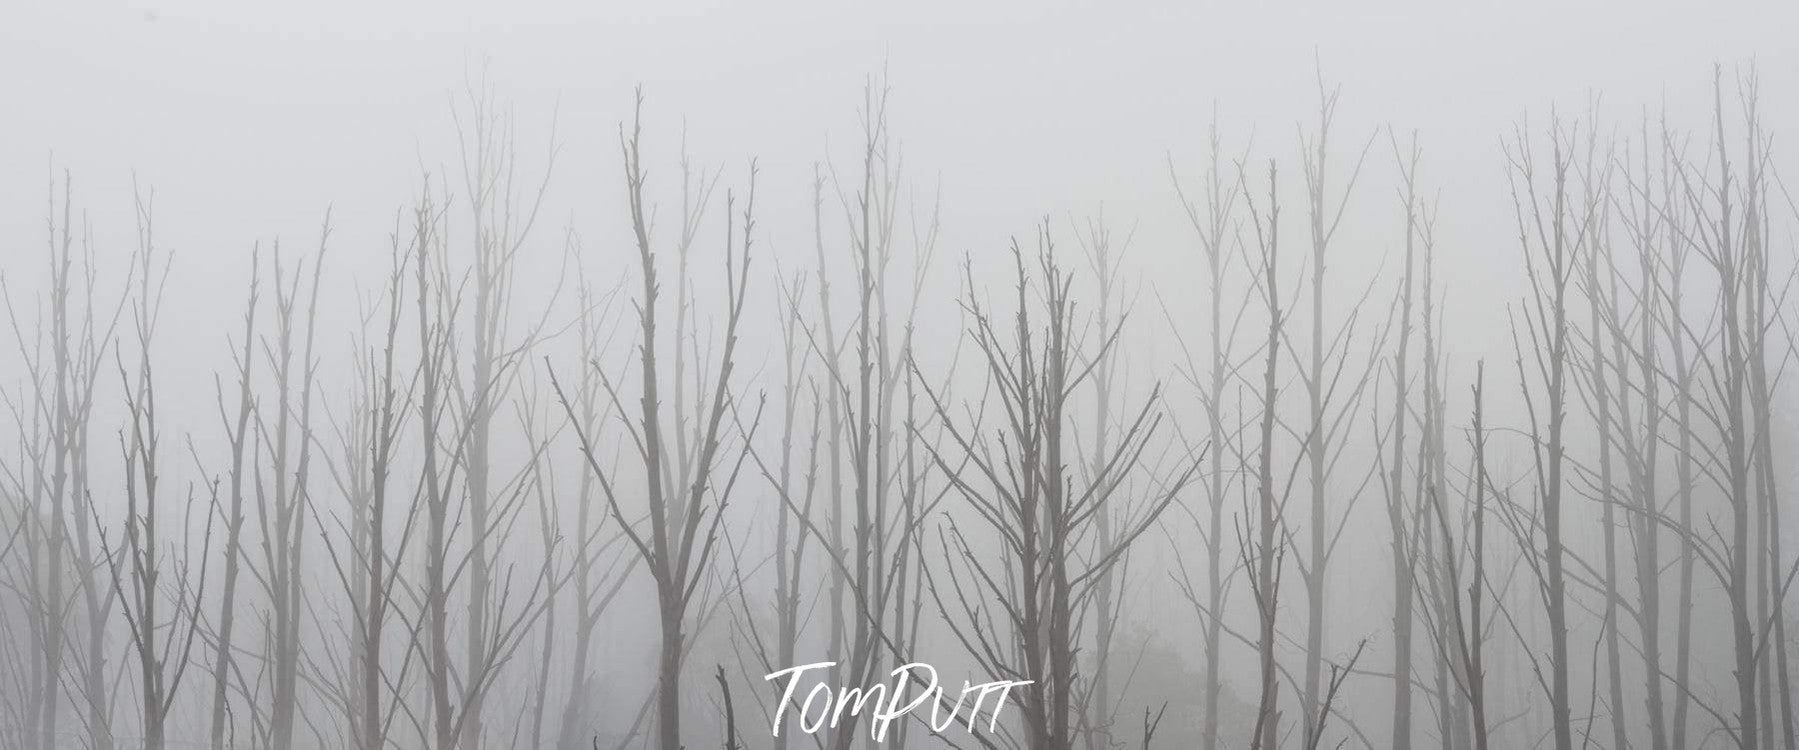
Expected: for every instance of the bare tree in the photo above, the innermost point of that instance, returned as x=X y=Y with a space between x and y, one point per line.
x=1649 y=227
x=1215 y=223
x=287 y=587
x=1727 y=398
x=1338 y=674
x=596 y=587
x=1098 y=709
x=1681 y=381
x=54 y=466
x=866 y=398
x=445 y=432
x=364 y=559
x=1433 y=482
x=161 y=641
x=1021 y=486
x=831 y=355
x=1468 y=627
x=1552 y=237
x=675 y=554
x=1268 y=555
x=502 y=218
x=1722 y=398
x=1761 y=305
x=774 y=646
x=1597 y=393
x=384 y=420
x=1405 y=536
x=1330 y=410
x=237 y=436
x=875 y=567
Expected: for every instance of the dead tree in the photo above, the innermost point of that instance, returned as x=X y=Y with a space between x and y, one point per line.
x=1263 y=555
x=1731 y=400
x=25 y=545
x=1598 y=365
x=549 y=533
x=1551 y=236
x=284 y=531
x=162 y=641
x=444 y=432
x=830 y=354
x=1723 y=400
x=51 y=607
x=724 y=690
x=587 y=548
x=774 y=646
x=1150 y=725
x=437 y=471
x=1761 y=306
x=1213 y=222
x=502 y=217
x=384 y=419
x=1096 y=705
x=1650 y=228
x=790 y=540
x=1433 y=481
x=1679 y=253
x=865 y=396
x=54 y=416
x=1014 y=610
x=875 y=567
x=1329 y=408
x=237 y=436
x=1467 y=627
x=89 y=346
x=675 y=555
x=1404 y=538
x=599 y=573
x=1338 y=674
x=364 y=555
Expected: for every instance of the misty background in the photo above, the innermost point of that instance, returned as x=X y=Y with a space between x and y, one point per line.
x=248 y=123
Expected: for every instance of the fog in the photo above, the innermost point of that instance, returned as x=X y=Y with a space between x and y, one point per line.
x=547 y=374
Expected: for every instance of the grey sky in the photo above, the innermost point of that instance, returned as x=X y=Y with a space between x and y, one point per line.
x=204 y=98
x=249 y=119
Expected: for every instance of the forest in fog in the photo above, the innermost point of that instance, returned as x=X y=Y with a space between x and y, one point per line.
x=1326 y=466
